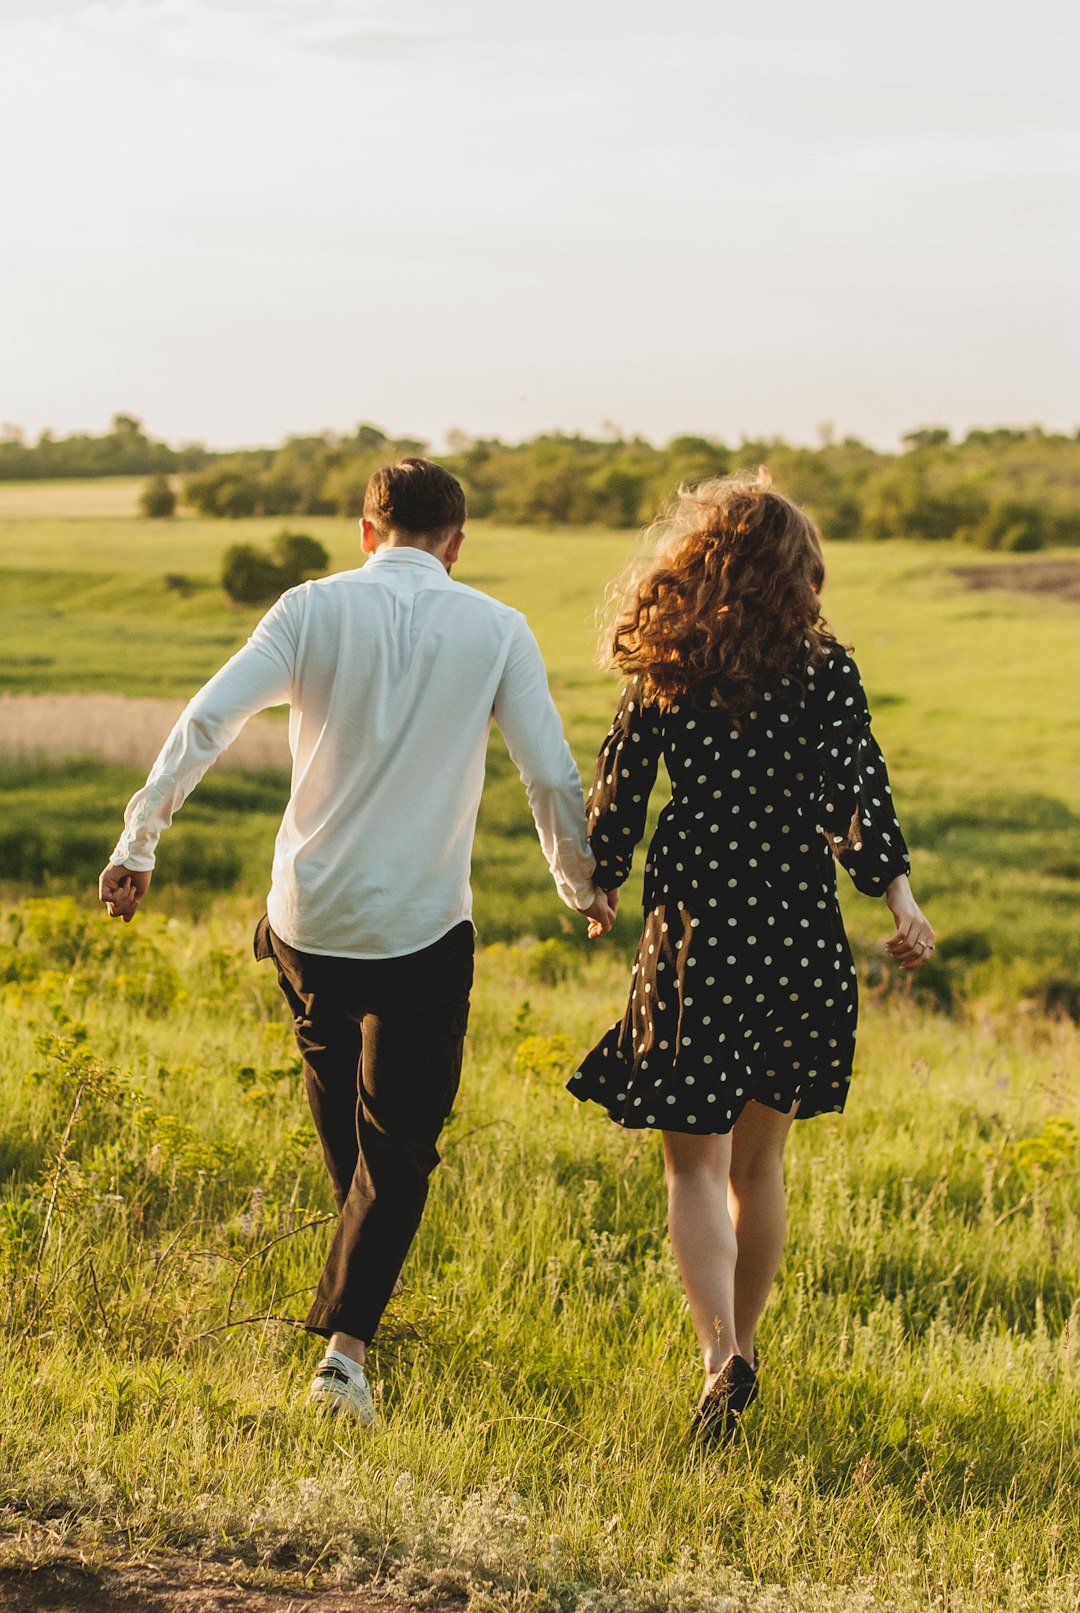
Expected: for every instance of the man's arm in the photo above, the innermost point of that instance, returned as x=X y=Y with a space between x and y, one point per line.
x=257 y=676
x=527 y=718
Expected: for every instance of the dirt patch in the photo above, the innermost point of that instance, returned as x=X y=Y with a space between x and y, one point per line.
x=177 y=1585
x=122 y=728
x=1058 y=578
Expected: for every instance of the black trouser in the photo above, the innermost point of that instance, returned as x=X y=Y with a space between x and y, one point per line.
x=382 y=1040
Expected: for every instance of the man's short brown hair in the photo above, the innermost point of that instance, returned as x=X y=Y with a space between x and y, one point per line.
x=417 y=497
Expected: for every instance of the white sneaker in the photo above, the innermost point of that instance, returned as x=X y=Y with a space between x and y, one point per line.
x=340 y=1384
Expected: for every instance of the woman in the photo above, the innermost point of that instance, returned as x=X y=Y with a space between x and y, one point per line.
x=742 y=1006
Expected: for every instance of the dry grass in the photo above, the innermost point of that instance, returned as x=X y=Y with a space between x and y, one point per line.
x=121 y=728
x=1060 y=578
x=103 y=497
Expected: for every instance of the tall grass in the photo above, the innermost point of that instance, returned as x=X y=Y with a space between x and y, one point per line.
x=128 y=729
x=917 y=1440
x=163 y=1206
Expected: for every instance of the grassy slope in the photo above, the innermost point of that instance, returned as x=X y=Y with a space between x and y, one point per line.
x=919 y=1426
x=918 y=1435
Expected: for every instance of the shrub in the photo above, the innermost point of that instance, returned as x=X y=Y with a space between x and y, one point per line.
x=228 y=488
x=1013 y=525
x=251 y=577
x=549 y=1058
x=551 y=962
x=52 y=941
x=236 y=497
x=158 y=499
x=299 y=557
x=1054 y=1149
x=904 y=504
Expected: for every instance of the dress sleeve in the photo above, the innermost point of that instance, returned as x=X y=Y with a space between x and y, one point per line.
x=855 y=802
x=619 y=799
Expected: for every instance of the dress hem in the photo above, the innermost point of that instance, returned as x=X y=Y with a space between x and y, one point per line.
x=698 y=1129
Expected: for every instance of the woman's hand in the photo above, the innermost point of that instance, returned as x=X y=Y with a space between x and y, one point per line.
x=913 y=941
x=122 y=889
x=601 y=913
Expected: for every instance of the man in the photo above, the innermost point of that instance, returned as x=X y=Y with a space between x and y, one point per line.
x=393 y=674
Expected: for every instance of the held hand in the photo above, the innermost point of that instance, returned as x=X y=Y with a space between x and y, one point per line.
x=600 y=914
x=913 y=941
x=122 y=889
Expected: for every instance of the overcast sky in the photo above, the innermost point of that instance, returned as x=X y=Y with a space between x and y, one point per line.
x=241 y=218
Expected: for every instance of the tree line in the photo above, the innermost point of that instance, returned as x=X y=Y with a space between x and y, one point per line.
x=123 y=450
x=1006 y=488
x=1001 y=489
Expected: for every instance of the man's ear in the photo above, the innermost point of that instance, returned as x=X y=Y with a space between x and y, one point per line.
x=369 y=537
x=453 y=548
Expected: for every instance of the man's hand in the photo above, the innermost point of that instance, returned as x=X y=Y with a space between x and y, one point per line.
x=913 y=940
x=601 y=913
x=122 y=889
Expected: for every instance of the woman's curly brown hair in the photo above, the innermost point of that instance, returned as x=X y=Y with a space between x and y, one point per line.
x=727 y=604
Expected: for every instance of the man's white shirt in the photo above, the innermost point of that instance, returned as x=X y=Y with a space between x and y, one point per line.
x=393 y=674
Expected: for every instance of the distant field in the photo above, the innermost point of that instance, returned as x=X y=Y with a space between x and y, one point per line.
x=970 y=690
x=105 y=496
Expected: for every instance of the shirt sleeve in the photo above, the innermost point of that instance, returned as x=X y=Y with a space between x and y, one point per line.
x=259 y=675
x=527 y=719
x=855 y=802
x=625 y=773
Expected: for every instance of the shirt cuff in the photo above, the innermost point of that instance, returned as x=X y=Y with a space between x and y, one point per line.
x=574 y=874
x=138 y=862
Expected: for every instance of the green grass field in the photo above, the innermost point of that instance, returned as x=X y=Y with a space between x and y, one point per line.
x=918 y=1443
x=968 y=688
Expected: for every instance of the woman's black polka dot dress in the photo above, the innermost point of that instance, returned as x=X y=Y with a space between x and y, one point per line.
x=743 y=985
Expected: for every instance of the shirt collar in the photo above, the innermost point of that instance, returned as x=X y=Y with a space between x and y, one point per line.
x=405 y=555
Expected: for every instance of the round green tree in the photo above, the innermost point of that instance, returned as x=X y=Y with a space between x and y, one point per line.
x=158 y=499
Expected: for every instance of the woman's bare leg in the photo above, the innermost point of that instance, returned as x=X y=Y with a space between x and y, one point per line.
x=703 y=1239
x=758 y=1211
